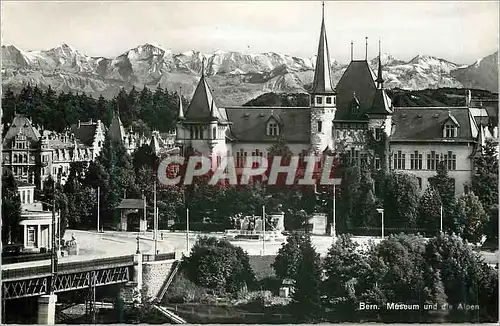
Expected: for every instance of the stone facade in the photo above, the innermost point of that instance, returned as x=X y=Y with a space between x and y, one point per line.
x=32 y=154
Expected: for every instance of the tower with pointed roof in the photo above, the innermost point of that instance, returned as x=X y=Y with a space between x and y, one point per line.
x=323 y=96
x=203 y=126
x=380 y=112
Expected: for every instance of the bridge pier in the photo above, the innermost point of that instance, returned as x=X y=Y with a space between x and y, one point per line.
x=47 y=309
x=137 y=277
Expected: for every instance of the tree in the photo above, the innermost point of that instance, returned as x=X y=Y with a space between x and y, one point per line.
x=365 y=203
x=465 y=276
x=82 y=200
x=306 y=298
x=485 y=180
x=53 y=193
x=11 y=208
x=472 y=218
x=349 y=192
x=345 y=270
x=217 y=264
x=445 y=186
x=485 y=186
x=429 y=211
x=403 y=257
x=401 y=200
x=286 y=262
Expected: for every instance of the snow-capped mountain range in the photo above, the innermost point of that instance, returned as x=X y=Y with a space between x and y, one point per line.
x=235 y=77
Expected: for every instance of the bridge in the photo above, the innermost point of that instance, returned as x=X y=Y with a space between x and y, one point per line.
x=36 y=279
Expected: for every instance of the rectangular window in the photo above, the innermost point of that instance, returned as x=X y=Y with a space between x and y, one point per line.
x=31 y=237
x=450 y=131
x=239 y=160
x=319 y=100
x=23 y=195
x=320 y=126
x=328 y=100
x=432 y=161
x=416 y=161
x=356 y=157
x=378 y=133
x=450 y=160
x=28 y=197
x=399 y=161
x=377 y=163
x=272 y=129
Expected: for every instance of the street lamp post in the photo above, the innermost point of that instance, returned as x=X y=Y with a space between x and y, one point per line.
x=98 y=208
x=138 y=251
x=381 y=211
x=54 y=256
x=441 y=218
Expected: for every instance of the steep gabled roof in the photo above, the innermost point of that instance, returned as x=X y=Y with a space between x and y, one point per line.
x=21 y=125
x=451 y=119
x=426 y=124
x=249 y=124
x=85 y=131
x=358 y=78
x=116 y=131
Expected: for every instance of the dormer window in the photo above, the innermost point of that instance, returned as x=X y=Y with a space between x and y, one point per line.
x=319 y=100
x=329 y=100
x=450 y=131
x=272 y=129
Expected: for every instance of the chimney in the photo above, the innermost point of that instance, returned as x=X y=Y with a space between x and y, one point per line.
x=495 y=132
x=468 y=98
x=78 y=124
x=90 y=120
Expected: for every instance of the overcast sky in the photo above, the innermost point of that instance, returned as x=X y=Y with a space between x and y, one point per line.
x=457 y=31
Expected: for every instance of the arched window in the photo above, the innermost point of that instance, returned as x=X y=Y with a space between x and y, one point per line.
x=15 y=158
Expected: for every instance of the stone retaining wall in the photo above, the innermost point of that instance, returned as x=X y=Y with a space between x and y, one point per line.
x=154 y=274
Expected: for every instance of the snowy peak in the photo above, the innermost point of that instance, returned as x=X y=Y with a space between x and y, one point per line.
x=236 y=77
x=387 y=60
x=481 y=74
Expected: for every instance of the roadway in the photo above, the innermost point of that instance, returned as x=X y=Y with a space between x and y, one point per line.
x=93 y=245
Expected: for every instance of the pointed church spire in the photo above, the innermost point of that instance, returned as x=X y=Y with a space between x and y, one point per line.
x=322 y=83
x=180 y=115
x=379 y=80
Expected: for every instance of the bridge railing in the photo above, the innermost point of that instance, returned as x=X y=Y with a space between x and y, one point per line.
x=45 y=270
x=6 y=260
x=159 y=257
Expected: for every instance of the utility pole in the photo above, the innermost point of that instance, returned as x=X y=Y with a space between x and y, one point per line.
x=263 y=229
x=2 y=307
x=187 y=230
x=53 y=238
x=155 y=219
x=98 y=207
x=334 y=217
